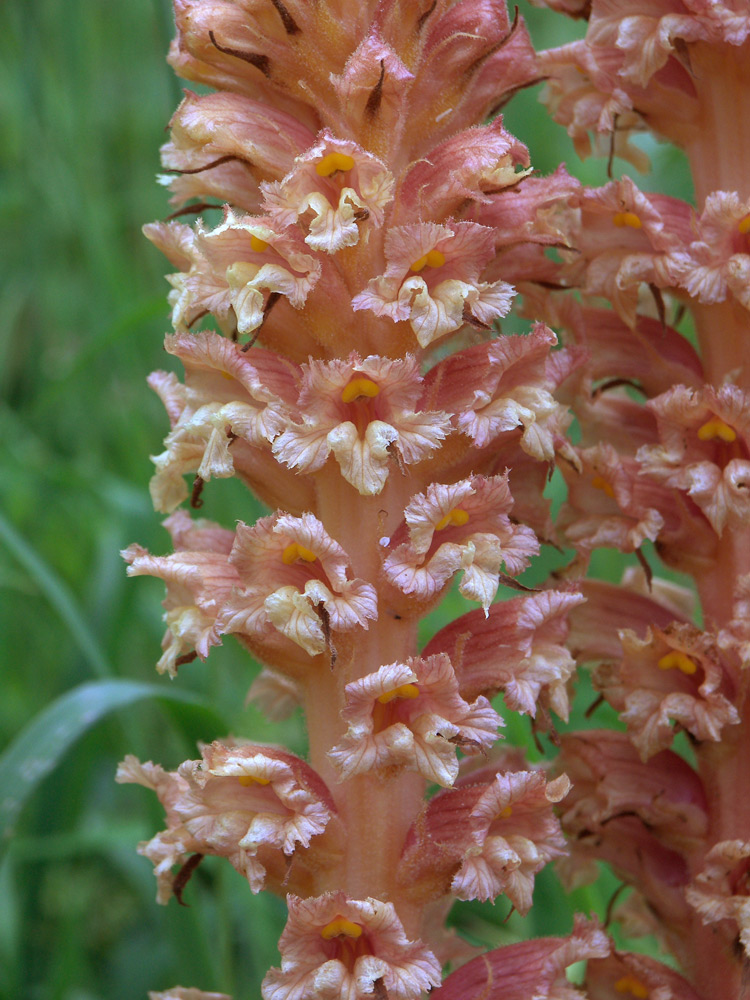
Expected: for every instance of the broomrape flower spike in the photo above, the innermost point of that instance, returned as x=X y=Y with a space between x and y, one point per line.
x=378 y=223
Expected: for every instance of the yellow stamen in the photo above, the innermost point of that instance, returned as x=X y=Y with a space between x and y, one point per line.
x=404 y=691
x=744 y=224
x=341 y=927
x=250 y=779
x=359 y=387
x=599 y=483
x=629 y=984
x=257 y=244
x=505 y=813
x=716 y=428
x=457 y=517
x=679 y=660
x=627 y=219
x=333 y=162
x=433 y=258
x=295 y=551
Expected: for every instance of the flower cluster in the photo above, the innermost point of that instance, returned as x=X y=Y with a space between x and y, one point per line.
x=339 y=331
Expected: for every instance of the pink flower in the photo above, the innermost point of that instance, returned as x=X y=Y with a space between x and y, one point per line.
x=621 y=240
x=223 y=144
x=223 y=418
x=337 y=948
x=365 y=412
x=704 y=450
x=486 y=838
x=199 y=578
x=474 y=164
x=432 y=279
x=720 y=891
x=464 y=526
x=411 y=715
x=294 y=578
x=527 y=969
x=250 y=804
x=344 y=187
x=674 y=675
x=518 y=648
x=500 y=387
x=610 y=780
x=627 y=974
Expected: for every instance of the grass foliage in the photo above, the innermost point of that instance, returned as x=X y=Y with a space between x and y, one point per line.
x=85 y=97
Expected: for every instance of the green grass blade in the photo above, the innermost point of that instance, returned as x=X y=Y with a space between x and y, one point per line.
x=58 y=596
x=42 y=744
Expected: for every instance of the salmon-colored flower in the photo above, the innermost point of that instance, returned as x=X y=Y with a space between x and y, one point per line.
x=704 y=450
x=337 y=948
x=671 y=676
x=518 y=648
x=186 y=993
x=490 y=835
x=336 y=188
x=294 y=578
x=251 y=804
x=720 y=891
x=432 y=279
x=364 y=412
x=199 y=577
x=227 y=396
x=464 y=526
x=527 y=969
x=411 y=715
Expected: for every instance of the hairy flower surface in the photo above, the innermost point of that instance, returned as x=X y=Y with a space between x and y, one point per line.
x=245 y=803
x=460 y=527
x=364 y=412
x=293 y=577
x=411 y=715
x=336 y=947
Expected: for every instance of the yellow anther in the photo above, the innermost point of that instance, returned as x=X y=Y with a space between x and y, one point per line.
x=257 y=244
x=457 y=517
x=679 y=660
x=716 y=428
x=333 y=162
x=433 y=258
x=404 y=691
x=629 y=984
x=340 y=927
x=359 y=387
x=295 y=551
x=250 y=779
x=627 y=219
x=505 y=813
x=744 y=224
x=599 y=483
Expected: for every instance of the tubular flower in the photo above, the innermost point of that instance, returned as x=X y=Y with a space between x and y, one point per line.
x=199 y=578
x=336 y=947
x=500 y=387
x=675 y=675
x=364 y=412
x=250 y=804
x=460 y=527
x=186 y=993
x=344 y=187
x=293 y=577
x=720 y=891
x=491 y=835
x=432 y=280
x=518 y=648
x=704 y=450
x=529 y=968
x=226 y=396
x=411 y=715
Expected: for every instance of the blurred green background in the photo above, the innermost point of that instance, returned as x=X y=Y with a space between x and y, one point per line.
x=85 y=96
